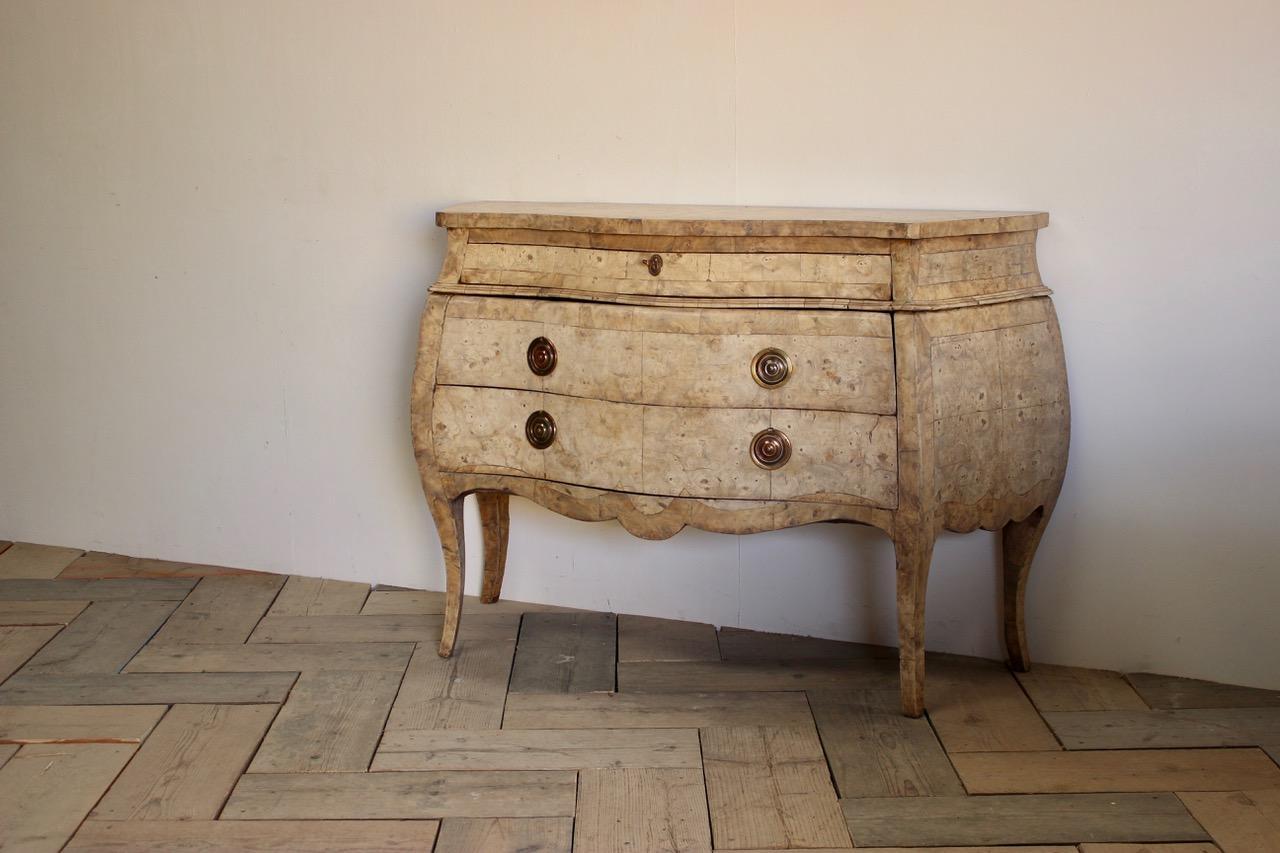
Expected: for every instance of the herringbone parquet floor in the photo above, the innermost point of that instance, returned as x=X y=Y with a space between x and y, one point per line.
x=158 y=706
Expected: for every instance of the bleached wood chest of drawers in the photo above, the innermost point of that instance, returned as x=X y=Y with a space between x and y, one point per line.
x=745 y=369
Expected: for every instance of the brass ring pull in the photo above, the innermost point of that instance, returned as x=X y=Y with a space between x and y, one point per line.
x=654 y=263
x=540 y=430
x=541 y=356
x=771 y=367
x=770 y=449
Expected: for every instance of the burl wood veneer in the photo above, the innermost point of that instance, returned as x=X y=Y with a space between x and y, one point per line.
x=744 y=369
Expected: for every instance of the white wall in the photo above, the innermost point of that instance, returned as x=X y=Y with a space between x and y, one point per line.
x=216 y=231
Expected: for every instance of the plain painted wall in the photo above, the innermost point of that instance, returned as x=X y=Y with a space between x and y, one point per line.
x=216 y=232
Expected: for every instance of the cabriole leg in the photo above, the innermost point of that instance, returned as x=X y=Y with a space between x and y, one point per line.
x=913 y=551
x=495 y=521
x=448 y=517
x=1019 y=541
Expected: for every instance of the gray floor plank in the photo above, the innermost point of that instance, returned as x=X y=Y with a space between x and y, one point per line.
x=222 y=609
x=267 y=657
x=331 y=723
x=740 y=644
x=644 y=638
x=247 y=836
x=40 y=612
x=1019 y=819
x=319 y=597
x=18 y=644
x=164 y=589
x=1190 y=727
x=465 y=691
x=695 y=676
x=670 y=711
x=102 y=639
x=565 y=653
x=874 y=751
x=148 y=688
x=25 y=560
x=45 y=791
x=1168 y=692
x=505 y=835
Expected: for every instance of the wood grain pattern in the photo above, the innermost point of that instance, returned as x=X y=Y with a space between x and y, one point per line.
x=102 y=639
x=1192 y=727
x=39 y=612
x=876 y=752
x=361 y=628
x=188 y=765
x=1132 y=770
x=221 y=609
x=981 y=708
x=19 y=644
x=426 y=602
x=644 y=638
x=1239 y=820
x=664 y=811
x=770 y=787
x=547 y=749
x=1019 y=819
x=303 y=596
x=97 y=564
x=392 y=796
x=331 y=723
x=641 y=711
x=166 y=589
x=566 y=653
x=77 y=724
x=501 y=835
x=465 y=691
x=1069 y=688
x=25 y=560
x=243 y=836
x=272 y=657
x=1167 y=691
x=147 y=689
x=49 y=789
x=1192 y=847
x=696 y=676
x=742 y=645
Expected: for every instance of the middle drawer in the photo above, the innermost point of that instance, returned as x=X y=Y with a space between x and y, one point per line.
x=700 y=357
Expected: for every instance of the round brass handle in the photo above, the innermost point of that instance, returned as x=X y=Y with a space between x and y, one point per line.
x=771 y=367
x=654 y=263
x=770 y=448
x=540 y=430
x=541 y=356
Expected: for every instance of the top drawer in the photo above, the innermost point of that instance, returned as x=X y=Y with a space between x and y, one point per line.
x=687 y=274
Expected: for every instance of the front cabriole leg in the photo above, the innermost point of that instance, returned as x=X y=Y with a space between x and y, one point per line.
x=914 y=551
x=1019 y=540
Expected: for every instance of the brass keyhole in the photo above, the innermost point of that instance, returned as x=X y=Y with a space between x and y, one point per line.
x=654 y=263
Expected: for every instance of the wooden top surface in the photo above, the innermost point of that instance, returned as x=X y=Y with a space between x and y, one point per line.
x=736 y=221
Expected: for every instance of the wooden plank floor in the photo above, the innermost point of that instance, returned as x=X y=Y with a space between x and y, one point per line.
x=154 y=705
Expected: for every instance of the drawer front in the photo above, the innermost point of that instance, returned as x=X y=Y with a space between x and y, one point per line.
x=837 y=360
x=723 y=274
x=675 y=451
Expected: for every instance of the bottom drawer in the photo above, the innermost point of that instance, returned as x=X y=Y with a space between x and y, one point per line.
x=668 y=450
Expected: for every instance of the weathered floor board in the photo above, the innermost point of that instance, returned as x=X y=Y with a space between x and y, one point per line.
x=25 y=560
x=565 y=653
x=1191 y=727
x=1239 y=820
x=1133 y=770
x=644 y=638
x=672 y=711
x=874 y=751
x=98 y=564
x=1019 y=819
x=102 y=639
x=981 y=708
x=641 y=809
x=741 y=645
x=1069 y=688
x=695 y=676
x=319 y=597
x=465 y=691
x=1166 y=691
x=386 y=602
x=331 y=723
x=47 y=790
x=269 y=657
x=148 y=689
x=373 y=796
x=229 y=836
x=188 y=765
x=221 y=609
x=504 y=835
x=168 y=589
x=78 y=723
x=20 y=644
x=372 y=629
x=770 y=787
x=40 y=612
x=538 y=749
